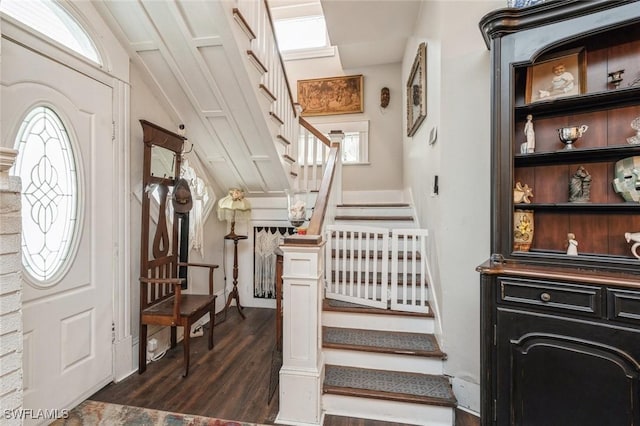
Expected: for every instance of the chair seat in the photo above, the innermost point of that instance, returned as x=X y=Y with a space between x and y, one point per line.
x=189 y=305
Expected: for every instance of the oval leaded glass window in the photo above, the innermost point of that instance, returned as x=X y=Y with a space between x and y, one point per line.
x=47 y=167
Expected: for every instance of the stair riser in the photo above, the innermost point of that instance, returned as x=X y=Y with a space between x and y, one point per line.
x=379 y=361
x=390 y=411
x=353 y=262
x=379 y=223
x=374 y=211
x=378 y=322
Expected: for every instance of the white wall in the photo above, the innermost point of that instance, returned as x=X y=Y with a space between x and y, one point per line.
x=145 y=106
x=459 y=217
x=385 y=134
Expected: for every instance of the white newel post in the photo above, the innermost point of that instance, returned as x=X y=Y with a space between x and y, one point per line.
x=10 y=292
x=301 y=374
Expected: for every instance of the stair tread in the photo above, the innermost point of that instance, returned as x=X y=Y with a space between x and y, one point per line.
x=389 y=385
x=373 y=205
x=340 y=306
x=377 y=278
x=393 y=342
x=342 y=420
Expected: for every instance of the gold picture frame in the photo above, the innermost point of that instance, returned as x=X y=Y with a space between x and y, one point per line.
x=417 y=91
x=560 y=75
x=331 y=95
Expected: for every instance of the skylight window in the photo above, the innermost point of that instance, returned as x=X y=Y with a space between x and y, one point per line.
x=307 y=32
x=50 y=19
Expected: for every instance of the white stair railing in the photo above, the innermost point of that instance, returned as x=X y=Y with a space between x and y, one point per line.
x=409 y=270
x=312 y=157
x=354 y=270
x=358 y=260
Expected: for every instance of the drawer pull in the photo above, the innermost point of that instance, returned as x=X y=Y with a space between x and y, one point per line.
x=545 y=297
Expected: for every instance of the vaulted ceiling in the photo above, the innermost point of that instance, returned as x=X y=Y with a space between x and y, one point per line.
x=190 y=59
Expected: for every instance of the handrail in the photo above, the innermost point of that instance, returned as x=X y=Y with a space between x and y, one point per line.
x=284 y=70
x=315 y=132
x=322 y=201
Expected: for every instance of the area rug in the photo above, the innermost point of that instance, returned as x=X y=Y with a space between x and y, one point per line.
x=96 y=413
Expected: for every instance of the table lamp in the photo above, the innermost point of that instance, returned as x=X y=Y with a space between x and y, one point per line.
x=231 y=208
x=234 y=207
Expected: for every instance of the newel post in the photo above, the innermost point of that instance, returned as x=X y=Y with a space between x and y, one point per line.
x=301 y=373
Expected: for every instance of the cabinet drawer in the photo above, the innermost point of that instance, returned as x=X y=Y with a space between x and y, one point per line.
x=560 y=297
x=624 y=306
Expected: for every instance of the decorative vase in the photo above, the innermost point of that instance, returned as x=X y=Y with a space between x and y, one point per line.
x=297 y=207
x=522 y=230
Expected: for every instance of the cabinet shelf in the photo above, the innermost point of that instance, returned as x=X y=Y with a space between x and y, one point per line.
x=582 y=155
x=583 y=207
x=539 y=303
x=598 y=101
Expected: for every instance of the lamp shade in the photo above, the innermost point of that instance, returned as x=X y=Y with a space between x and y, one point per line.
x=233 y=206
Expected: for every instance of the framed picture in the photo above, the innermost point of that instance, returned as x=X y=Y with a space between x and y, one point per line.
x=333 y=95
x=417 y=91
x=563 y=74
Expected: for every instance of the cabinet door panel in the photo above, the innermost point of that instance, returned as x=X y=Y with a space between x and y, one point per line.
x=555 y=371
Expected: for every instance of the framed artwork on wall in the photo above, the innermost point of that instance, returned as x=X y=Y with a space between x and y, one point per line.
x=332 y=95
x=558 y=76
x=417 y=91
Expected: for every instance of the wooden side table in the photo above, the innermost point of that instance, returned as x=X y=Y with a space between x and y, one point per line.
x=234 y=292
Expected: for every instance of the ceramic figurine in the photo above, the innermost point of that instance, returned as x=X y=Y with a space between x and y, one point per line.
x=521 y=193
x=572 y=248
x=530 y=134
x=635 y=237
x=580 y=186
x=635 y=125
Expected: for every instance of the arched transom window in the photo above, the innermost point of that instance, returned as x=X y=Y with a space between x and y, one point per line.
x=52 y=20
x=47 y=166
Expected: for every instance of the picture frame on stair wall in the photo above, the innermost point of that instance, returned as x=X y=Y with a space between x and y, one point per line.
x=417 y=91
x=331 y=95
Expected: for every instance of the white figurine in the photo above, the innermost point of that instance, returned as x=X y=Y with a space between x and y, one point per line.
x=572 y=249
x=530 y=134
x=635 y=237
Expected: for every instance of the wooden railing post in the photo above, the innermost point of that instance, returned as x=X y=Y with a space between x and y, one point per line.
x=301 y=372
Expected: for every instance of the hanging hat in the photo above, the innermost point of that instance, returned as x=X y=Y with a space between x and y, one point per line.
x=182 y=201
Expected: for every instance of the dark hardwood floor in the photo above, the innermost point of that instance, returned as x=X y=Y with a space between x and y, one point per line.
x=229 y=382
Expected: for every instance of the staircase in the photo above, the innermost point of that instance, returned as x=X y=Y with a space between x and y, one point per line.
x=380 y=363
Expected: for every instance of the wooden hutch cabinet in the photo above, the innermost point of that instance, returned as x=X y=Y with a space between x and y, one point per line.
x=560 y=332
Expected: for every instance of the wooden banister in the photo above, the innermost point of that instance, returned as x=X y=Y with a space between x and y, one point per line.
x=315 y=132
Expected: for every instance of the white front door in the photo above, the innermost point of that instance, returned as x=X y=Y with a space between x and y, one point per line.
x=67 y=320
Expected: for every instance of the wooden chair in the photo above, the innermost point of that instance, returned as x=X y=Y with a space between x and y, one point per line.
x=164 y=249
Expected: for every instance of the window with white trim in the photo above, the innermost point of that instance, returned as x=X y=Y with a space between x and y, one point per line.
x=47 y=167
x=355 y=147
x=301 y=30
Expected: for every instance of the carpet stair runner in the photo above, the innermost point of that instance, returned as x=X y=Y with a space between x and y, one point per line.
x=386 y=367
